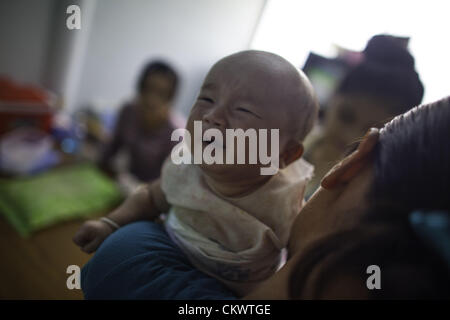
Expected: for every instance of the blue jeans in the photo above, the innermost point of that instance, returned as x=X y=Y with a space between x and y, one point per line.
x=140 y=261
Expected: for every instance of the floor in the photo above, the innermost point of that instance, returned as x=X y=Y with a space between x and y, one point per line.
x=35 y=268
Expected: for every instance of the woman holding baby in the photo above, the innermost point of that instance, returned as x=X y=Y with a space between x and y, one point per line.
x=386 y=204
x=385 y=207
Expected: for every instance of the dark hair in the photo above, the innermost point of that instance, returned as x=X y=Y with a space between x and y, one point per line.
x=387 y=71
x=412 y=162
x=409 y=269
x=411 y=172
x=158 y=67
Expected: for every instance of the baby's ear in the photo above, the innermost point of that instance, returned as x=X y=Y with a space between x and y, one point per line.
x=292 y=152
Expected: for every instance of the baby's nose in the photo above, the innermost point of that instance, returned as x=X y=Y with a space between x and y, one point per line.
x=215 y=118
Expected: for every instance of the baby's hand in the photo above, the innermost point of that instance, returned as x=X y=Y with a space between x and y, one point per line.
x=91 y=234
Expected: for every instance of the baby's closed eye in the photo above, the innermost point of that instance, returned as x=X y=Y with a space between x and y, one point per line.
x=245 y=110
x=206 y=99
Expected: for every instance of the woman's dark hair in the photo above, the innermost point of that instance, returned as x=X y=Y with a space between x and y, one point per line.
x=411 y=172
x=412 y=159
x=408 y=268
x=158 y=67
x=387 y=71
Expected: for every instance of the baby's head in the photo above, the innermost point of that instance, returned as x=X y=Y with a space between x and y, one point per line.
x=256 y=90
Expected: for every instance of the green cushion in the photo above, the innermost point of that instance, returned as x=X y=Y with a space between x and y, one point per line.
x=75 y=191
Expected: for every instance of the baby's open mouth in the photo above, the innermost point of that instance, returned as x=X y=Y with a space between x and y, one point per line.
x=212 y=140
x=209 y=139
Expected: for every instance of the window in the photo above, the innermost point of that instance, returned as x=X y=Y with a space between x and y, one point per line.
x=293 y=28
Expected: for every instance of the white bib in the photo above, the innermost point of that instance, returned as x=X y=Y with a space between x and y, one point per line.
x=237 y=240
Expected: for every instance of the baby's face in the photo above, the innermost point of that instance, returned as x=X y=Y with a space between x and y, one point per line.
x=234 y=96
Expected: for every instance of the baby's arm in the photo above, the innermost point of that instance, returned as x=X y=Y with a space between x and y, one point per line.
x=146 y=203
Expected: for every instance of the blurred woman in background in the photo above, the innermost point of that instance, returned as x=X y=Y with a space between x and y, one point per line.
x=382 y=86
x=144 y=126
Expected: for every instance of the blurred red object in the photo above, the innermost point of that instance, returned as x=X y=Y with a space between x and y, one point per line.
x=24 y=106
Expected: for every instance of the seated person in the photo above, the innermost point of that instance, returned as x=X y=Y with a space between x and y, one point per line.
x=386 y=204
x=384 y=85
x=144 y=126
x=231 y=221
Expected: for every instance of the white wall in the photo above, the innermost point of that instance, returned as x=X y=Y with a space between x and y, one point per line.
x=67 y=49
x=24 y=37
x=190 y=34
x=98 y=64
